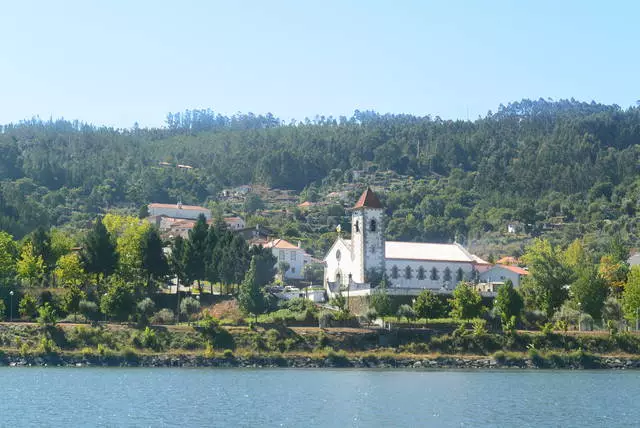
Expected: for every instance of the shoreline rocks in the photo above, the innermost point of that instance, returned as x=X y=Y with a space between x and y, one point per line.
x=331 y=361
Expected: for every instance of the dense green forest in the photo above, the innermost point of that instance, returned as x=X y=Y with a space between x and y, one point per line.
x=531 y=162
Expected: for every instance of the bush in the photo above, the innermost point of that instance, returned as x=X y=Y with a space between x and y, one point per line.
x=479 y=327
x=406 y=311
x=163 y=316
x=188 y=307
x=28 y=307
x=47 y=315
x=145 y=308
x=325 y=319
x=89 y=310
x=228 y=354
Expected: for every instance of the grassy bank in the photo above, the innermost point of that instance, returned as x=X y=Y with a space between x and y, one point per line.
x=272 y=344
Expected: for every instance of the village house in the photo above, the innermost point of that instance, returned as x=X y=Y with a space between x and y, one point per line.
x=234 y=223
x=501 y=273
x=178 y=211
x=410 y=266
x=293 y=255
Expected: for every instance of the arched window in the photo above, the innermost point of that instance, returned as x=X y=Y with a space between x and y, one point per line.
x=459 y=275
x=394 y=272
x=420 y=273
x=357 y=226
x=434 y=274
x=338 y=255
x=407 y=272
x=373 y=225
x=446 y=275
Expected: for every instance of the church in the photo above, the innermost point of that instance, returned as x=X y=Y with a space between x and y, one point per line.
x=352 y=264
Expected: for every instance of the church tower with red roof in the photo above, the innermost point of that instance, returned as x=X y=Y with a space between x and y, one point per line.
x=367 y=237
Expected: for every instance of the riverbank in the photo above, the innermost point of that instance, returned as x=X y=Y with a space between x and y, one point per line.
x=575 y=360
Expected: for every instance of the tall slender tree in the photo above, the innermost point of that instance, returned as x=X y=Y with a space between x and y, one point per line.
x=98 y=255
x=196 y=251
x=250 y=297
x=154 y=262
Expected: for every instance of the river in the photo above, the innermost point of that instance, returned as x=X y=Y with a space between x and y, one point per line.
x=84 y=397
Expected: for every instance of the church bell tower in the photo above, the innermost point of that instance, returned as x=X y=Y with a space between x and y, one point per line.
x=367 y=236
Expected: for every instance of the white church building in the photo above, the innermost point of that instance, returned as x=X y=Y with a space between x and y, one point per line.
x=410 y=267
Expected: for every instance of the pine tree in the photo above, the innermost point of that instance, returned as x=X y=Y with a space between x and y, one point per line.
x=508 y=302
x=154 y=263
x=99 y=256
x=196 y=257
x=251 y=299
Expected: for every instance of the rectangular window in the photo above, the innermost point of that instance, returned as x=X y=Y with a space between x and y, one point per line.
x=281 y=255
x=293 y=256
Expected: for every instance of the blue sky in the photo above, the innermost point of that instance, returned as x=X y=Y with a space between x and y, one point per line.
x=116 y=62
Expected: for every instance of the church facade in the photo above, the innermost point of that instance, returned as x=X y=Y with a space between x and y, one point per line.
x=352 y=264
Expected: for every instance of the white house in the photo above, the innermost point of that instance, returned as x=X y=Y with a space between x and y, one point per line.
x=178 y=211
x=234 y=223
x=501 y=273
x=292 y=254
x=410 y=266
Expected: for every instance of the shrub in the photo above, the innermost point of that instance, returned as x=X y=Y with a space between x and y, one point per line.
x=46 y=346
x=163 y=316
x=145 y=308
x=188 y=307
x=88 y=309
x=406 y=311
x=479 y=327
x=47 y=315
x=228 y=354
x=325 y=318
x=28 y=307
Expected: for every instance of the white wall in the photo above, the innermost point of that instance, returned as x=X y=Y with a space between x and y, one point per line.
x=427 y=282
x=295 y=258
x=500 y=274
x=345 y=265
x=179 y=213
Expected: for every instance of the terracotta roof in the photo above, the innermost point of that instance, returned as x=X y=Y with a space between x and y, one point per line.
x=281 y=244
x=515 y=269
x=233 y=219
x=368 y=199
x=508 y=260
x=182 y=207
x=306 y=204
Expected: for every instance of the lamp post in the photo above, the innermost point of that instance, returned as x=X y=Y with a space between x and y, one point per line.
x=11 y=306
x=105 y=312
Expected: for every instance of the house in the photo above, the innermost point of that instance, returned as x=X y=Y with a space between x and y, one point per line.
x=178 y=211
x=255 y=235
x=501 y=273
x=234 y=223
x=410 y=266
x=508 y=260
x=292 y=254
x=634 y=259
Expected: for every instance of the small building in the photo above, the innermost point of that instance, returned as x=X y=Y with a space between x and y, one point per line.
x=501 y=273
x=292 y=254
x=255 y=235
x=234 y=223
x=508 y=260
x=178 y=211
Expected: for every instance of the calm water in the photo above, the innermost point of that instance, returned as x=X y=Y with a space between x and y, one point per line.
x=66 y=397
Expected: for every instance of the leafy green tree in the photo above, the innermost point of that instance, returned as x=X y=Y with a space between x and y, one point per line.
x=98 y=255
x=30 y=266
x=380 y=299
x=41 y=243
x=120 y=299
x=8 y=256
x=631 y=295
x=88 y=309
x=508 y=302
x=154 y=262
x=545 y=287
x=589 y=291
x=47 y=316
x=253 y=203
x=265 y=264
x=143 y=212
x=177 y=260
x=428 y=305
x=28 y=307
x=3 y=310
x=466 y=302
x=251 y=297
x=69 y=271
x=71 y=299
x=614 y=273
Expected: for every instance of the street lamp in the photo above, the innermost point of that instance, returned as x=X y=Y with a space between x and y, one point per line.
x=11 y=305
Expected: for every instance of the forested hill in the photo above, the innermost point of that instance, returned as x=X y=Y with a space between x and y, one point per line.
x=531 y=161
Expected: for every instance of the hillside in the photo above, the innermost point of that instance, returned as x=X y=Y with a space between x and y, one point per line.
x=563 y=169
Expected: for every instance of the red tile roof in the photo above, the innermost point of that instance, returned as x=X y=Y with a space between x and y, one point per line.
x=515 y=269
x=281 y=243
x=368 y=199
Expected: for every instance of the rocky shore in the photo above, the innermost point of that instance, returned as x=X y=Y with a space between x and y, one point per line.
x=335 y=361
